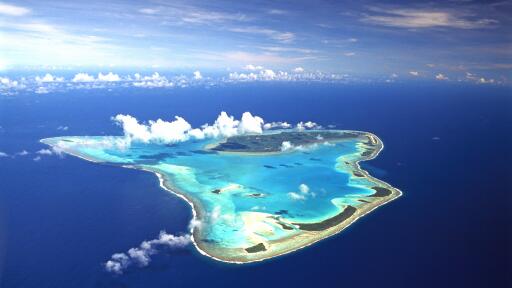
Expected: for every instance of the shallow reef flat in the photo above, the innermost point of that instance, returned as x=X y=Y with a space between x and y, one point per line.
x=256 y=196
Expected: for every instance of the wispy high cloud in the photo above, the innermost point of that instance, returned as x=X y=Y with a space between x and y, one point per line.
x=13 y=10
x=173 y=13
x=284 y=37
x=277 y=12
x=288 y=49
x=426 y=18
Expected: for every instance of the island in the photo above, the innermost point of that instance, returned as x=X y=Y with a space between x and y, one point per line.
x=255 y=196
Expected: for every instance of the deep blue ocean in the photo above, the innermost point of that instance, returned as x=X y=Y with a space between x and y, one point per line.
x=447 y=147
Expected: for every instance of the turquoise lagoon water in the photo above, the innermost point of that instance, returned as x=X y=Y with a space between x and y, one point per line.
x=248 y=183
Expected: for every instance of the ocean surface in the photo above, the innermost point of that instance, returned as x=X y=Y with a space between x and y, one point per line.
x=447 y=147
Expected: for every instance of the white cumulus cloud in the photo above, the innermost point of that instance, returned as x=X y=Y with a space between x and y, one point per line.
x=296 y=196
x=83 y=77
x=141 y=255
x=153 y=81
x=304 y=193
x=109 y=77
x=274 y=125
x=250 y=124
x=252 y=67
x=286 y=146
x=49 y=152
x=304 y=188
x=48 y=78
x=8 y=83
x=441 y=77
x=307 y=125
x=197 y=75
x=161 y=131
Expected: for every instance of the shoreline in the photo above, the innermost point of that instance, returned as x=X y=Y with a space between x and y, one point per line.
x=313 y=238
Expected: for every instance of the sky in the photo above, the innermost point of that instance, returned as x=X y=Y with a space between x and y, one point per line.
x=441 y=40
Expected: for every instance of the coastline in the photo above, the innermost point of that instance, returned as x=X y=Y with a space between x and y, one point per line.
x=312 y=238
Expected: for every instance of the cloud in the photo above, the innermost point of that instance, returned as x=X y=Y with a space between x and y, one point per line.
x=197 y=75
x=3 y=154
x=149 y=11
x=478 y=79
x=235 y=76
x=414 y=73
x=12 y=10
x=250 y=124
x=63 y=128
x=298 y=70
x=268 y=74
x=286 y=146
x=106 y=142
x=252 y=67
x=237 y=57
x=273 y=125
x=194 y=223
x=304 y=189
x=132 y=129
x=153 y=81
x=277 y=12
x=33 y=42
x=352 y=40
x=41 y=90
x=284 y=37
x=110 y=77
x=349 y=54
x=48 y=78
x=49 y=152
x=8 y=83
x=482 y=80
x=304 y=193
x=296 y=196
x=141 y=255
x=441 y=77
x=264 y=75
x=426 y=18
x=180 y=130
x=287 y=49
x=227 y=126
x=21 y=153
x=45 y=152
x=83 y=77
x=307 y=125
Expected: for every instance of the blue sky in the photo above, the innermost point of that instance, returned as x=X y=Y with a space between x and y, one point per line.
x=362 y=38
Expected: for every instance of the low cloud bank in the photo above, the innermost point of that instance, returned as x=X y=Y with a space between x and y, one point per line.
x=141 y=256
